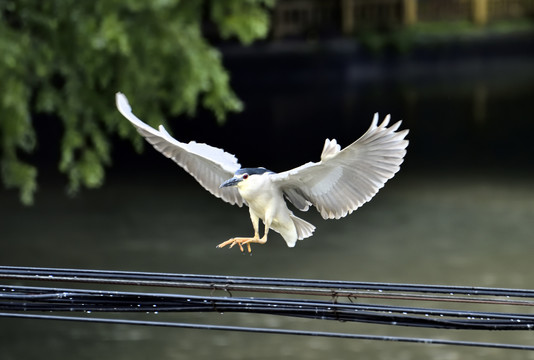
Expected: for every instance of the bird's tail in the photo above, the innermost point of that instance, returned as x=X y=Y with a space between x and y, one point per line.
x=304 y=228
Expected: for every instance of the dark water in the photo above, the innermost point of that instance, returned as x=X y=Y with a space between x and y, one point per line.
x=460 y=212
x=464 y=229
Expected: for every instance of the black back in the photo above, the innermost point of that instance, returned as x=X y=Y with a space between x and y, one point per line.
x=253 y=171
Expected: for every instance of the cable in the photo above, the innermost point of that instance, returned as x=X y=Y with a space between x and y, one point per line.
x=17 y=298
x=339 y=301
x=262 y=284
x=274 y=331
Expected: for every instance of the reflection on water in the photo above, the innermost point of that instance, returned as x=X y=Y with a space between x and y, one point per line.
x=422 y=228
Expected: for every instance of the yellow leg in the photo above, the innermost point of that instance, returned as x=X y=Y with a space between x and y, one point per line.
x=263 y=240
x=243 y=241
x=240 y=241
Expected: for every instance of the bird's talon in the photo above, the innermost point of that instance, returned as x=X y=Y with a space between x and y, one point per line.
x=240 y=242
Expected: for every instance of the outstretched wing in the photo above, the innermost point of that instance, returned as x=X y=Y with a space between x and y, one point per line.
x=209 y=165
x=346 y=179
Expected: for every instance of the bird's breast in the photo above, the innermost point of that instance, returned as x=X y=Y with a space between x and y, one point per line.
x=258 y=199
x=261 y=195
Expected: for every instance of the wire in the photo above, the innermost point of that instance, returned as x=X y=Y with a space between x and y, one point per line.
x=270 y=285
x=273 y=331
x=16 y=298
x=337 y=301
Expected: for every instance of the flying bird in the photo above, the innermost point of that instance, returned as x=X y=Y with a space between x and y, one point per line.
x=341 y=182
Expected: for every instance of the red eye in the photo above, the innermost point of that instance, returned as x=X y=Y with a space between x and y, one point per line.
x=245 y=177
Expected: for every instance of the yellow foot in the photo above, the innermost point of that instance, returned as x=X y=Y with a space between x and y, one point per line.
x=240 y=242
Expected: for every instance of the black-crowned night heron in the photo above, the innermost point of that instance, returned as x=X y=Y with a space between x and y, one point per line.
x=341 y=182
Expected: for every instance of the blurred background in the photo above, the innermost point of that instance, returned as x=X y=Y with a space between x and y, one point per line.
x=267 y=81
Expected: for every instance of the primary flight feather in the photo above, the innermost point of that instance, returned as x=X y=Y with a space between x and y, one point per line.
x=342 y=181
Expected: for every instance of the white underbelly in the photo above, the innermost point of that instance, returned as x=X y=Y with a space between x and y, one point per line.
x=267 y=203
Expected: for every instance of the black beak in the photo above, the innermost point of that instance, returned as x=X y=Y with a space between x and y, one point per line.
x=230 y=182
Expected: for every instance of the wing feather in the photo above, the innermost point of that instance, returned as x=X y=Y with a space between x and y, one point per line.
x=209 y=165
x=345 y=180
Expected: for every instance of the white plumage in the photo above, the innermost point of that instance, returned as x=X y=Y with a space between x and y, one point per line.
x=342 y=181
x=346 y=179
x=209 y=165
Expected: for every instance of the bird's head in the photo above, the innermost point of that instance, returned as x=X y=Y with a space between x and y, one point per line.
x=243 y=175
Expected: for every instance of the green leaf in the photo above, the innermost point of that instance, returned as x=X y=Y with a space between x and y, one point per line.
x=67 y=58
x=17 y=174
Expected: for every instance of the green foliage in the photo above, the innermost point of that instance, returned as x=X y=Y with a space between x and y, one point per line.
x=243 y=18
x=69 y=57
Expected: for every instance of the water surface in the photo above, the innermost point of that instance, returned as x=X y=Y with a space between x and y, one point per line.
x=460 y=212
